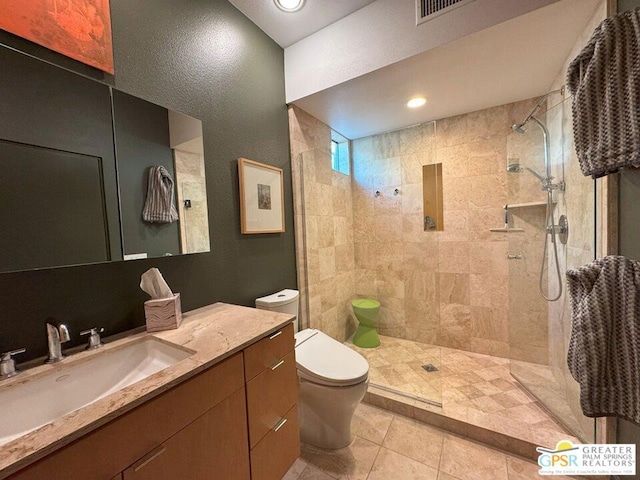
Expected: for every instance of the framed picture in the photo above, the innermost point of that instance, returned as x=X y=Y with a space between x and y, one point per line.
x=261 y=197
x=80 y=29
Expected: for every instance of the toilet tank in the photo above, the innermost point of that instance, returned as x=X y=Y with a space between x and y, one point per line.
x=284 y=301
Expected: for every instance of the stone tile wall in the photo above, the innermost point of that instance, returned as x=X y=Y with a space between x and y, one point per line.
x=324 y=229
x=191 y=184
x=447 y=288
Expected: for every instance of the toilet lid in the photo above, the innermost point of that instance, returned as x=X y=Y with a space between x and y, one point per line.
x=321 y=359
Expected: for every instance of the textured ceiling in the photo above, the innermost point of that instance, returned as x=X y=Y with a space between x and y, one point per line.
x=287 y=28
x=511 y=61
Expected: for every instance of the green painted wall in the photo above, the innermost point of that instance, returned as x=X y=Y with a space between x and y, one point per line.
x=205 y=59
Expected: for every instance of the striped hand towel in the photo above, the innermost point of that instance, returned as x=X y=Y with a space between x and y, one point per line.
x=605 y=81
x=159 y=206
x=604 y=349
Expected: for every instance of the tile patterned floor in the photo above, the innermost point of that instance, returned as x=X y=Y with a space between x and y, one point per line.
x=472 y=388
x=540 y=381
x=390 y=446
x=398 y=364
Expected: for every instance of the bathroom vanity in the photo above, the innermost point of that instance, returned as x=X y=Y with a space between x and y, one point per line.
x=227 y=411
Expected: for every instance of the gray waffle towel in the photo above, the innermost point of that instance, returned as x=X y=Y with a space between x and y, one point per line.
x=605 y=81
x=604 y=349
x=159 y=206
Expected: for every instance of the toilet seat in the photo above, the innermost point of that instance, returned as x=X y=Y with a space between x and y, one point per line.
x=321 y=359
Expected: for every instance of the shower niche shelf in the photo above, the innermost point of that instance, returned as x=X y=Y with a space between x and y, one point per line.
x=541 y=203
x=509 y=229
x=506 y=230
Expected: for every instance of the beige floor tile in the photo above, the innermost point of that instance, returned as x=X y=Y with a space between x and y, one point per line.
x=488 y=374
x=486 y=404
x=523 y=470
x=488 y=388
x=550 y=438
x=470 y=461
x=391 y=465
x=350 y=463
x=415 y=440
x=496 y=423
x=456 y=410
x=312 y=473
x=371 y=423
x=503 y=384
x=520 y=396
x=465 y=382
x=506 y=400
x=470 y=391
x=530 y=414
x=445 y=476
x=296 y=470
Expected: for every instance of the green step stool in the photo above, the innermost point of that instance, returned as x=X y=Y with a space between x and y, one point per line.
x=366 y=311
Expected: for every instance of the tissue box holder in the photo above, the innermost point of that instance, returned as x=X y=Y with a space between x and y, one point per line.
x=163 y=313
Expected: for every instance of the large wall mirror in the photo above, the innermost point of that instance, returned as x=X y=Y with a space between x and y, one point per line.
x=79 y=164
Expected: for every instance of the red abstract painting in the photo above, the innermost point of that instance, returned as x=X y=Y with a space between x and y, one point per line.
x=80 y=29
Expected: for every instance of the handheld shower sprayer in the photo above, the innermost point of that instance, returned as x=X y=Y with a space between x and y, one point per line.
x=553 y=230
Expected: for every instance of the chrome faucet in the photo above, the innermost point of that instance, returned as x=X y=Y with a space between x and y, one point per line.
x=8 y=365
x=57 y=334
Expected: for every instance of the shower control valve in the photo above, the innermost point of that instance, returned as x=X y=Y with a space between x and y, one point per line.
x=549 y=186
x=561 y=229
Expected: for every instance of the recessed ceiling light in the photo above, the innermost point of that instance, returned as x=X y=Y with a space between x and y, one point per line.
x=289 y=5
x=416 y=102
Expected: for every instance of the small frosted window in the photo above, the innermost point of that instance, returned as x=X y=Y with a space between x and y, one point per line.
x=340 y=155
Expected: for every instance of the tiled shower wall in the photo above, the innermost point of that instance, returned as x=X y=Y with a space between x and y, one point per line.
x=396 y=261
x=324 y=229
x=447 y=288
x=191 y=184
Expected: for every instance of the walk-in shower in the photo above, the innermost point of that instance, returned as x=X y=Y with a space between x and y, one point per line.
x=554 y=232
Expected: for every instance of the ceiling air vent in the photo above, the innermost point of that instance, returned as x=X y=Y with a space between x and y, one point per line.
x=429 y=9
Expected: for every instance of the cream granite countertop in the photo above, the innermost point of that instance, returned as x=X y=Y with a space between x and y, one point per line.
x=213 y=333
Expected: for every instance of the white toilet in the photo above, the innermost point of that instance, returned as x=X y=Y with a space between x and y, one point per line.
x=332 y=379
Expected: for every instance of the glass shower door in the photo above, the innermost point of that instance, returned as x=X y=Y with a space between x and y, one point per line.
x=539 y=329
x=362 y=236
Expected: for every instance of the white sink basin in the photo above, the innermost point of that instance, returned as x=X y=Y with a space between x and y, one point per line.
x=69 y=387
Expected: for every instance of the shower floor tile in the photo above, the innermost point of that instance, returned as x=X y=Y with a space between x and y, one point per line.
x=470 y=388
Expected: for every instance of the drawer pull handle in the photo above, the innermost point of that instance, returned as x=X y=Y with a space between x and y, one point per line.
x=278 y=333
x=150 y=459
x=280 y=424
x=277 y=364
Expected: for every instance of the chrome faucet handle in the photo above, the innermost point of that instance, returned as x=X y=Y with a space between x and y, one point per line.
x=8 y=364
x=94 y=337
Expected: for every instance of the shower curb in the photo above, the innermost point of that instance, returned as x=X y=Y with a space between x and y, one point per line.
x=411 y=408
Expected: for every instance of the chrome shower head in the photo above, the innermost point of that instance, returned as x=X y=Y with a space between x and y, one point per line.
x=517 y=168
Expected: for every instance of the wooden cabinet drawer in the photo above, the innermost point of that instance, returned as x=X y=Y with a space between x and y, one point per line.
x=277 y=451
x=270 y=396
x=269 y=350
x=115 y=446
x=212 y=447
